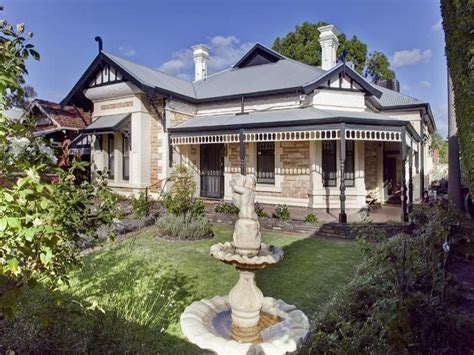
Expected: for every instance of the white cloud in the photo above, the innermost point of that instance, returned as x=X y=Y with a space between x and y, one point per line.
x=127 y=51
x=410 y=57
x=223 y=51
x=438 y=26
x=425 y=84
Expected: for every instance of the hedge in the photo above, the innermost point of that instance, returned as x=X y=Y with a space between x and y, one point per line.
x=458 y=23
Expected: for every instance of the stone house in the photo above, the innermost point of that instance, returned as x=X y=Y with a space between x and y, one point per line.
x=319 y=137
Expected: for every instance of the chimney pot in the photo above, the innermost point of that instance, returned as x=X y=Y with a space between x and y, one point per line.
x=329 y=43
x=200 y=57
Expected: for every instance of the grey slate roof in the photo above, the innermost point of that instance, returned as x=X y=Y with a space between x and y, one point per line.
x=294 y=117
x=284 y=74
x=106 y=123
x=393 y=98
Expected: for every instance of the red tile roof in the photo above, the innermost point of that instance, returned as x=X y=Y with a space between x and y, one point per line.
x=66 y=117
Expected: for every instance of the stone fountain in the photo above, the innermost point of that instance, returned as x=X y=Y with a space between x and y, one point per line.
x=245 y=322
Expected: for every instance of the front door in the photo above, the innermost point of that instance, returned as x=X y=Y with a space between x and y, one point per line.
x=212 y=170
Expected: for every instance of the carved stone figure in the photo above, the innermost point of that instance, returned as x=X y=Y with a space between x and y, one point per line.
x=247 y=238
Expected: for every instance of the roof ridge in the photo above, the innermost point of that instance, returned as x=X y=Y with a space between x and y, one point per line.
x=147 y=67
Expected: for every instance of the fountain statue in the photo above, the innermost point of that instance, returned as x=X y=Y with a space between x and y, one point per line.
x=245 y=321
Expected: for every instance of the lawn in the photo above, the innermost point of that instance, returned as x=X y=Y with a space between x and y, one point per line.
x=129 y=295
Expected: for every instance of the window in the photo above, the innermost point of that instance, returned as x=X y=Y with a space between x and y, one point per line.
x=110 y=152
x=329 y=164
x=349 y=176
x=125 y=157
x=266 y=162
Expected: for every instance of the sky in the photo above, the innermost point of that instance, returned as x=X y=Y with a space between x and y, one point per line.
x=159 y=34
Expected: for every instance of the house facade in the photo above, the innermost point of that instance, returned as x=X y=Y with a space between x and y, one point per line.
x=319 y=137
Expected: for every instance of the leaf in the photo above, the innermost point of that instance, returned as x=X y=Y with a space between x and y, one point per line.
x=14 y=222
x=3 y=224
x=46 y=256
x=8 y=197
x=29 y=234
x=44 y=203
x=13 y=265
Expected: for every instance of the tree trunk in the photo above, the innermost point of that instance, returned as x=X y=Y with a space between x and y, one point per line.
x=454 y=171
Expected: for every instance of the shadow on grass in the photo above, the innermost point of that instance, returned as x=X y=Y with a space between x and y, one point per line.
x=310 y=272
x=116 y=304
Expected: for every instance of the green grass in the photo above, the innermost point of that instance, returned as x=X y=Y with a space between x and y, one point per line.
x=129 y=295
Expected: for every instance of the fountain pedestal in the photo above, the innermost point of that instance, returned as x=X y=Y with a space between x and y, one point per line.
x=245 y=321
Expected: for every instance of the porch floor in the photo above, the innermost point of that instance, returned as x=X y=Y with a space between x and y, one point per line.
x=385 y=213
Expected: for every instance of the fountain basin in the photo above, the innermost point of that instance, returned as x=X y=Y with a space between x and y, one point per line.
x=207 y=323
x=267 y=255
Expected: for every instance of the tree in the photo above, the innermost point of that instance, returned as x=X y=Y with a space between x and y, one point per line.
x=21 y=99
x=302 y=44
x=440 y=144
x=378 y=67
x=458 y=25
x=42 y=223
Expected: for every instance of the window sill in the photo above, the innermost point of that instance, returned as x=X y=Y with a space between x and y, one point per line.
x=267 y=188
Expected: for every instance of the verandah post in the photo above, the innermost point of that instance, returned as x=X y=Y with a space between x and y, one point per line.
x=410 y=178
x=242 y=151
x=342 y=196
x=403 y=158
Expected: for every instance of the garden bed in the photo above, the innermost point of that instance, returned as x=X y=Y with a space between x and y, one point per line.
x=315 y=230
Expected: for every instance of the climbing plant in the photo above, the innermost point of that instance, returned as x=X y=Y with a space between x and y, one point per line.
x=458 y=24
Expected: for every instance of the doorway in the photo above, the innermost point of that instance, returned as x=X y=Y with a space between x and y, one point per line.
x=212 y=170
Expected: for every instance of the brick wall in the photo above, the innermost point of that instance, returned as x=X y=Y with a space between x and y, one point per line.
x=154 y=108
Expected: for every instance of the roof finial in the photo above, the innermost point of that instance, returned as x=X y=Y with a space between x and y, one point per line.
x=98 y=39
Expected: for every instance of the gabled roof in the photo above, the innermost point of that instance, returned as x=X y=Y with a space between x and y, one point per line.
x=66 y=117
x=278 y=75
x=258 y=55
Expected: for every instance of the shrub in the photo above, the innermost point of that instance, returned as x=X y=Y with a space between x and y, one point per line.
x=184 y=227
x=226 y=208
x=180 y=199
x=259 y=210
x=281 y=212
x=141 y=205
x=398 y=303
x=311 y=218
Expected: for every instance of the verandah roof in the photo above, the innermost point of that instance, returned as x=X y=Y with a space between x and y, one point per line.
x=108 y=123
x=301 y=124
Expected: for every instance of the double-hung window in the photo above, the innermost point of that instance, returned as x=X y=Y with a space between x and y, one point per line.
x=125 y=157
x=349 y=175
x=329 y=164
x=266 y=162
x=110 y=155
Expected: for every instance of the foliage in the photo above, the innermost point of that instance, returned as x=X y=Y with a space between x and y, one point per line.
x=259 y=210
x=42 y=224
x=311 y=218
x=378 y=67
x=458 y=22
x=180 y=199
x=184 y=226
x=21 y=100
x=303 y=45
x=141 y=205
x=441 y=145
x=281 y=212
x=397 y=303
x=226 y=208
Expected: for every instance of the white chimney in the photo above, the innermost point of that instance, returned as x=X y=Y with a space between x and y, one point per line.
x=200 y=56
x=329 y=43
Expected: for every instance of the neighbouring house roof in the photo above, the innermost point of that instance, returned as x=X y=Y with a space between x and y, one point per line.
x=288 y=117
x=280 y=74
x=66 y=117
x=108 y=123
